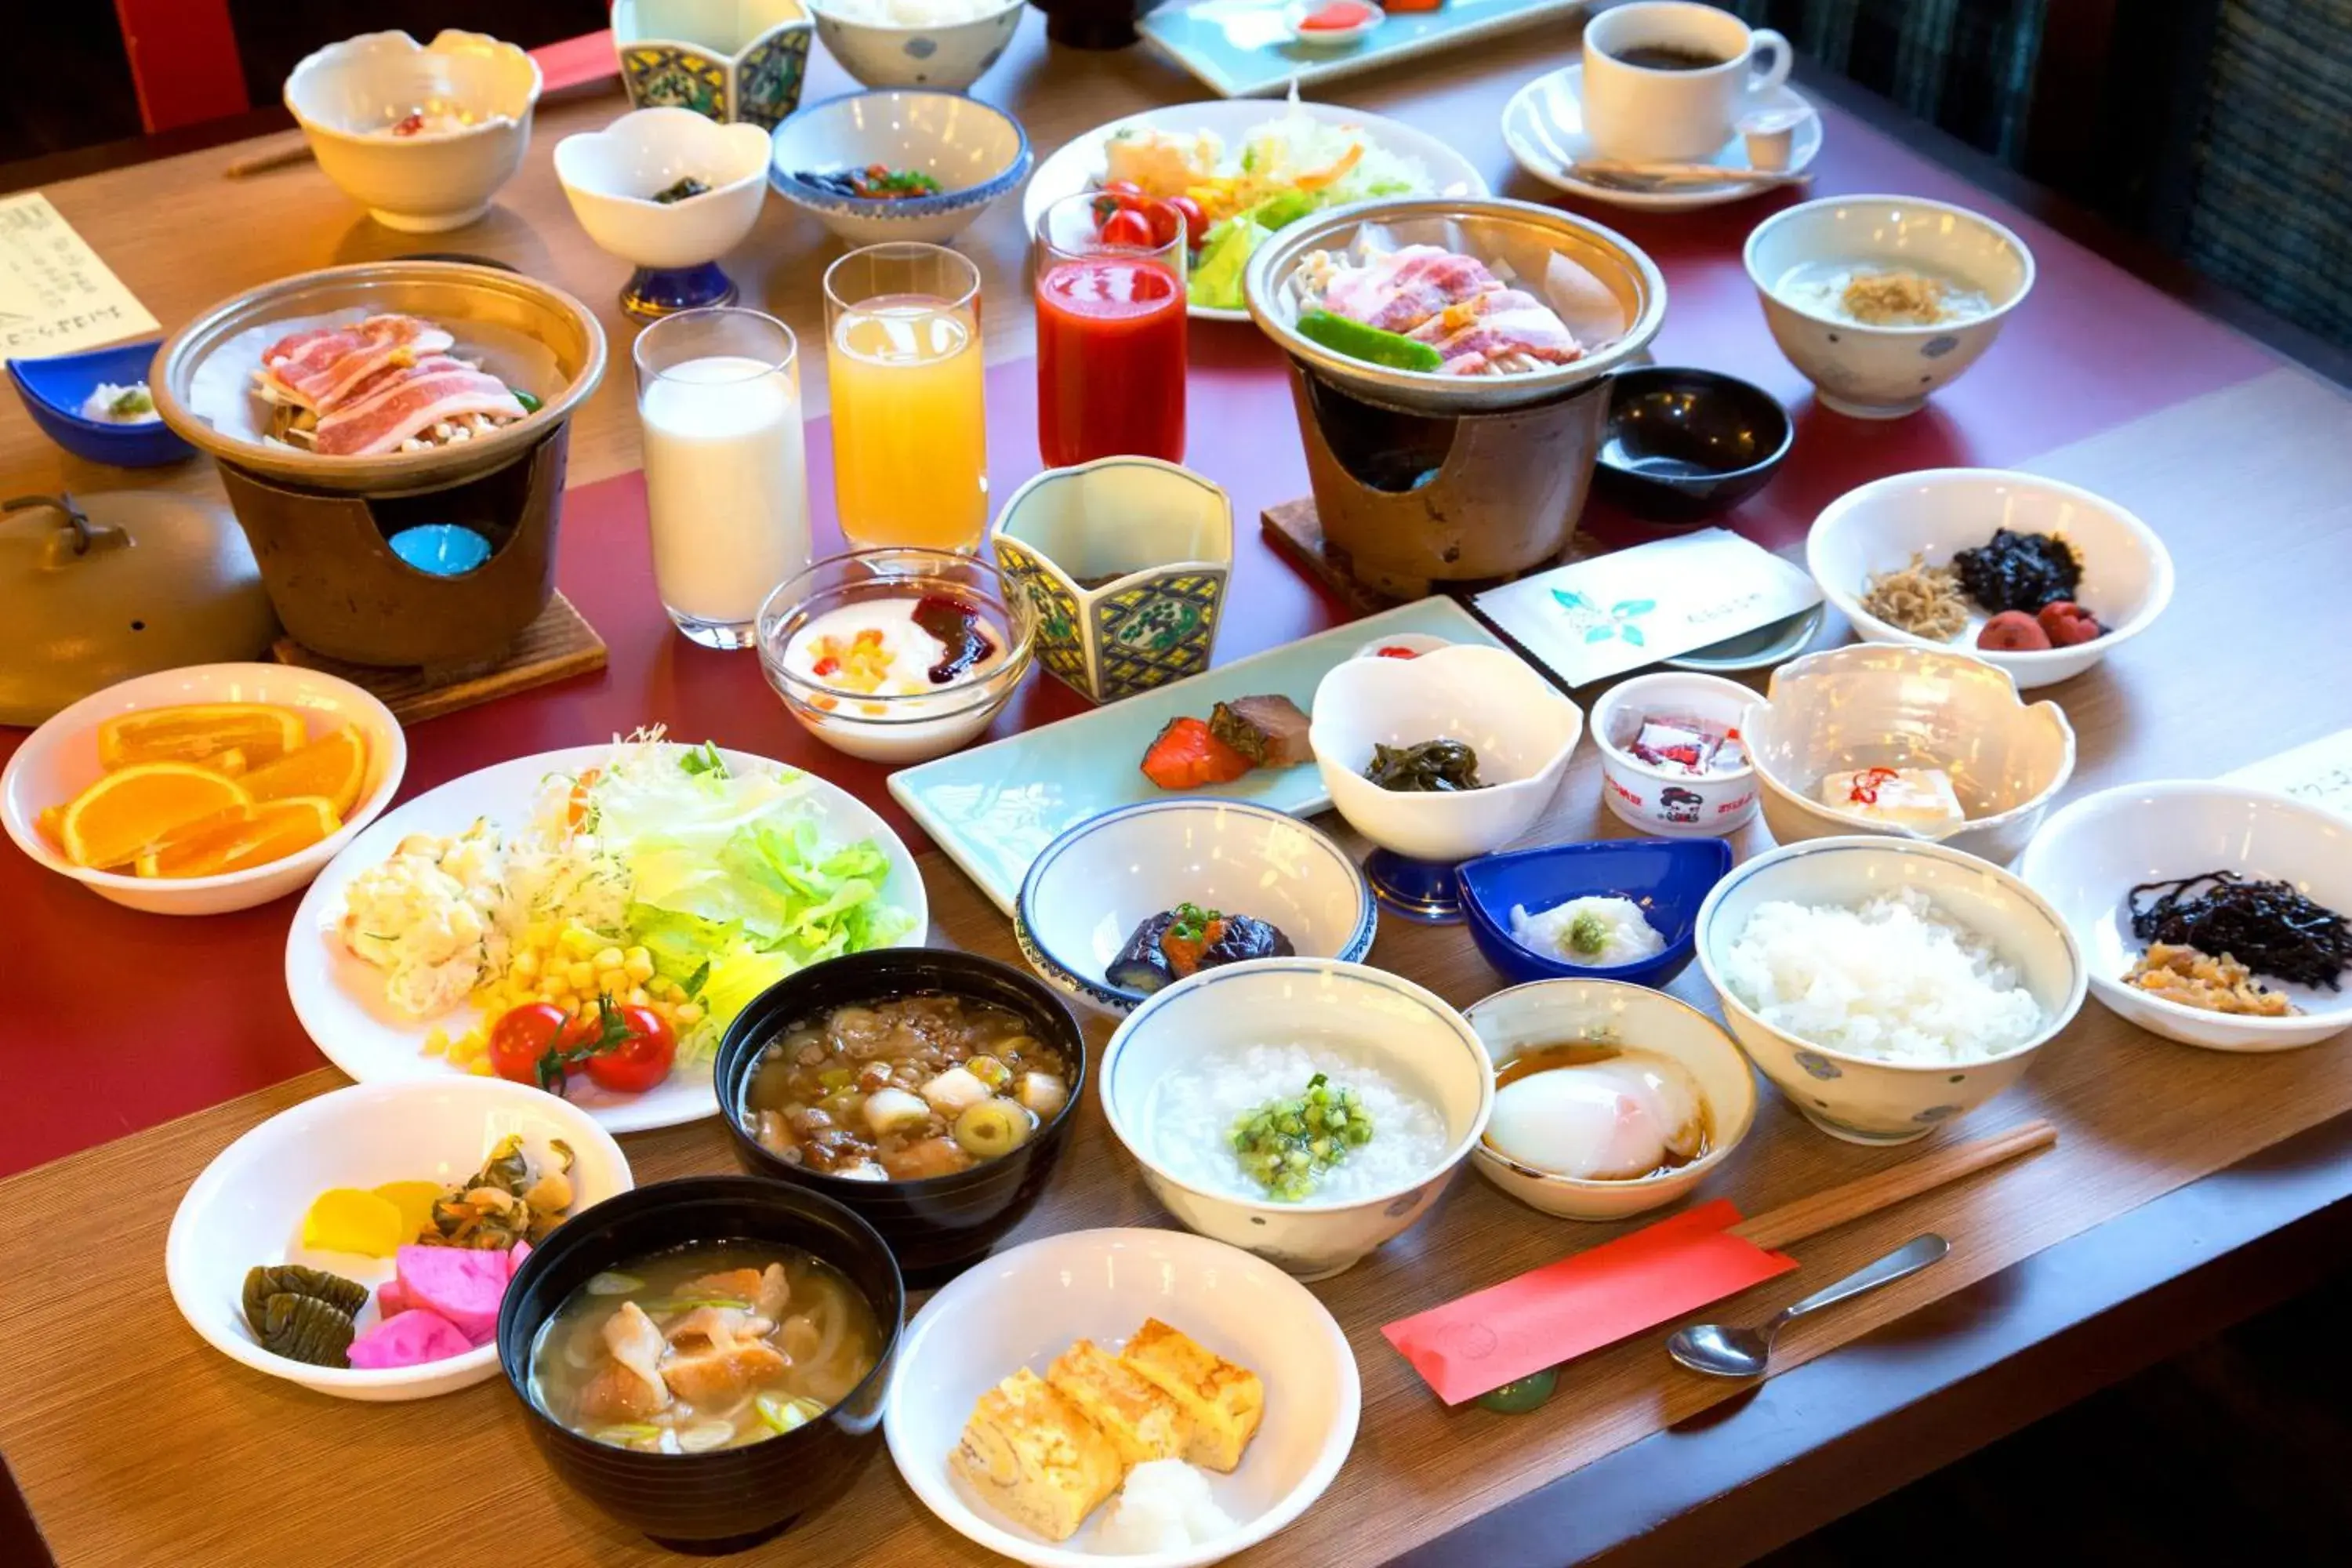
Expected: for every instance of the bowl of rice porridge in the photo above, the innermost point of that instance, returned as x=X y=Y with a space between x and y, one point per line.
x=1886 y=987
x=1882 y=300
x=1303 y=1109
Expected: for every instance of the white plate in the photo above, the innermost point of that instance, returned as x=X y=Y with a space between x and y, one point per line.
x=1079 y=162
x=339 y=998
x=1543 y=125
x=1024 y=1307
x=247 y=1207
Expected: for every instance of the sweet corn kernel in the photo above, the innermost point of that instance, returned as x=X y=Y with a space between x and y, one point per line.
x=637 y=997
x=580 y=943
x=637 y=966
x=436 y=1043
x=690 y=1012
x=583 y=975
x=479 y=1067
x=609 y=957
x=526 y=963
x=539 y=935
x=612 y=981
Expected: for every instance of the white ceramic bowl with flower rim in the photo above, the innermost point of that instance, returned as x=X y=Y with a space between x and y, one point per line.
x=1353 y=1009
x=1022 y=1307
x=975 y=150
x=1884 y=373
x=611 y=177
x=1521 y=728
x=1867 y=1099
x=2127 y=576
x=1087 y=890
x=1671 y=801
x=60 y=760
x=1610 y=1012
x=2088 y=858
x=1873 y=705
x=347 y=95
x=949 y=55
x=247 y=1207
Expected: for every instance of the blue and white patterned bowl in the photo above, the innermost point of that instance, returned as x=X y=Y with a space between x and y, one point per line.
x=1865 y=1099
x=1094 y=884
x=952 y=55
x=976 y=151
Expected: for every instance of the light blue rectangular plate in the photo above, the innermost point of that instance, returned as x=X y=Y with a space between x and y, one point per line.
x=1244 y=49
x=994 y=808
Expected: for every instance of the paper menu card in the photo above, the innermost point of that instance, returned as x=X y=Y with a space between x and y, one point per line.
x=1480 y=1341
x=1609 y=614
x=55 y=295
x=2318 y=773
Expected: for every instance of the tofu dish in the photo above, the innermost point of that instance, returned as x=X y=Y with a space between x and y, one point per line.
x=1134 y=1427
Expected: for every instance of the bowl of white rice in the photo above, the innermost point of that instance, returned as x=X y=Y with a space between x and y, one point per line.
x=1886 y=987
x=1190 y=1064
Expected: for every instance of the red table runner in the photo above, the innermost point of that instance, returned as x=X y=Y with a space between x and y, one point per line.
x=119 y=1020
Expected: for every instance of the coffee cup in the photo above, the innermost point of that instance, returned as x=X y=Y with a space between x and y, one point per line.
x=1665 y=80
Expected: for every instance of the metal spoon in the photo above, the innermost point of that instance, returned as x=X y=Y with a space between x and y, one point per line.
x=1724 y=1352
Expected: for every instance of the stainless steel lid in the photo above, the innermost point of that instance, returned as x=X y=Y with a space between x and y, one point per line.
x=1521 y=233
x=535 y=337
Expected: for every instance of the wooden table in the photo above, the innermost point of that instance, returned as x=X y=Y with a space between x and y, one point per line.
x=177 y=1455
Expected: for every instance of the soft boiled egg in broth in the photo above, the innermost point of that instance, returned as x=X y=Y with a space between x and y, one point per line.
x=1598 y=1112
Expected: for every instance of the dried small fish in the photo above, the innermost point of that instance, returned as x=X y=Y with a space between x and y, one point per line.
x=1923 y=600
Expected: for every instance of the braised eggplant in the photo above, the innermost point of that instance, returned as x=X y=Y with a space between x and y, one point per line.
x=1173 y=943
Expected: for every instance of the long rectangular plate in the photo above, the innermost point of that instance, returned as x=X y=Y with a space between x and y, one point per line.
x=1244 y=49
x=995 y=807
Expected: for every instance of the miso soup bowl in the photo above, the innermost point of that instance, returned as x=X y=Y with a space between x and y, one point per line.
x=1607 y=1011
x=726 y=1498
x=1872 y=1099
x=1408 y=1034
x=1884 y=373
x=940 y=1225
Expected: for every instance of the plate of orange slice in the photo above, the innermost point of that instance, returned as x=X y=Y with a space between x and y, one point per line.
x=196 y=791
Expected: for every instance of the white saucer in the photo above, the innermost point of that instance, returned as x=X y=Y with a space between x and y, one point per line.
x=1544 y=127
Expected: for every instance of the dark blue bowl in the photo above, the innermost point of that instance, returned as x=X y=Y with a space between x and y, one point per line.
x=54 y=389
x=1669 y=877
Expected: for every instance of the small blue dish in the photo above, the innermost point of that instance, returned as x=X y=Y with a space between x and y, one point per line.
x=1669 y=877
x=54 y=389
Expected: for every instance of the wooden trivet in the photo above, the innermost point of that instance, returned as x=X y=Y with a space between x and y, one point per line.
x=1296 y=534
x=557 y=646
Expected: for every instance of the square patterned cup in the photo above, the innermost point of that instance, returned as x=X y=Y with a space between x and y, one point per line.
x=730 y=59
x=1125 y=560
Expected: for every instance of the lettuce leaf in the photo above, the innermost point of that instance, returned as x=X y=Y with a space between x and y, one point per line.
x=1216 y=281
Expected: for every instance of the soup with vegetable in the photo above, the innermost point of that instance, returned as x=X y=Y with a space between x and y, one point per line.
x=898 y=1090
x=707 y=1346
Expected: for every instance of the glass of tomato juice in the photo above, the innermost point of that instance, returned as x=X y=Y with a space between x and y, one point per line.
x=1110 y=329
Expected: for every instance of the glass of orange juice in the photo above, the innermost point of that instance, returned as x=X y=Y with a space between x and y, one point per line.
x=903 y=359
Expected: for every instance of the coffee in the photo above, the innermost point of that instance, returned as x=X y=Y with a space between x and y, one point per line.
x=1669 y=57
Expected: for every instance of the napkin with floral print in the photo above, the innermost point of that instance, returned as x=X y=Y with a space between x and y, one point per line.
x=1610 y=614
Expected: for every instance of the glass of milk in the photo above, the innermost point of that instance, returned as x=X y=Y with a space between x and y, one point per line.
x=726 y=472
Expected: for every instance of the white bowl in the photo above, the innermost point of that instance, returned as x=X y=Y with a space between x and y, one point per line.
x=346 y=93
x=2126 y=570
x=1873 y=706
x=1883 y=373
x=1087 y=890
x=247 y=1207
x=611 y=176
x=1521 y=727
x=976 y=151
x=952 y=55
x=1024 y=1307
x=1669 y=801
x=60 y=760
x=2089 y=857
x=1863 y=1099
x=1353 y=1008
x=1562 y=1012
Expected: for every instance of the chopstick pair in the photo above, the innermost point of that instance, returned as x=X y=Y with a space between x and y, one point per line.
x=1478 y=1343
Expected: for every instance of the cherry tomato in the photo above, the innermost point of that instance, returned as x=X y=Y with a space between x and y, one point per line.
x=1130 y=228
x=1162 y=219
x=1196 y=225
x=640 y=1059
x=1126 y=190
x=522 y=1035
